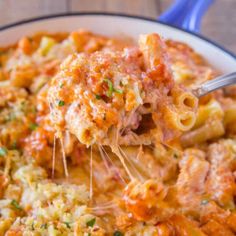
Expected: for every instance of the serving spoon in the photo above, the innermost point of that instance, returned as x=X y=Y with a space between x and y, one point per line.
x=217 y=83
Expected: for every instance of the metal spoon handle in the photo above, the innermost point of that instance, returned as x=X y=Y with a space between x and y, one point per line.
x=214 y=84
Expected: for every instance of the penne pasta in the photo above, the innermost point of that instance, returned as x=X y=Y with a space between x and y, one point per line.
x=180 y=119
x=212 y=129
x=211 y=110
x=184 y=100
x=230 y=115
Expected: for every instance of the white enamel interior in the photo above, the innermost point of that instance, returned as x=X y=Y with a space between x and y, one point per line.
x=114 y=25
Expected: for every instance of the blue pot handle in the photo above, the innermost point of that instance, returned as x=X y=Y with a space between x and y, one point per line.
x=186 y=14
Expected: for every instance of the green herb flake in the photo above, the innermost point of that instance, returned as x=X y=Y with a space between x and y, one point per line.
x=61 y=85
x=44 y=226
x=67 y=224
x=61 y=103
x=204 y=201
x=15 y=204
x=111 y=88
x=3 y=151
x=97 y=96
x=33 y=126
x=89 y=234
x=117 y=233
x=118 y=91
x=91 y=222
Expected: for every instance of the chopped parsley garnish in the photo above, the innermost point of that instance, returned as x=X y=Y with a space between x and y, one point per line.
x=33 y=126
x=117 y=233
x=61 y=103
x=118 y=91
x=97 y=96
x=61 y=85
x=204 y=201
x=111 y=88
x=67 y=224
x=91 y=222
x=3 y=151
x=16 y=205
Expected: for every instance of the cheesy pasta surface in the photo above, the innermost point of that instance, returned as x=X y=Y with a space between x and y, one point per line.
x=102 y=136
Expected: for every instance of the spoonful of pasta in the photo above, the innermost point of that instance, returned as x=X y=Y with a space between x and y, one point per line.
x=124 y=97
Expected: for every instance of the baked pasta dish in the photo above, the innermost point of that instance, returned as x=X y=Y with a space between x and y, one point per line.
x=103 y=136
